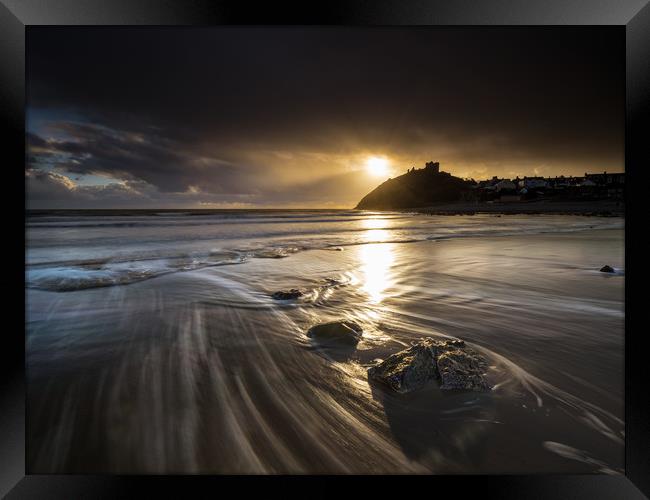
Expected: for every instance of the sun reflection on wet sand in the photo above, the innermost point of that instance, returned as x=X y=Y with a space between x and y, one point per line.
x=376 y=259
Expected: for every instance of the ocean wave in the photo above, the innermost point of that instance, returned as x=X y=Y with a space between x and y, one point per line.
x=81 y=277
x=175 y=255
x=174 y=219
x=274 y=252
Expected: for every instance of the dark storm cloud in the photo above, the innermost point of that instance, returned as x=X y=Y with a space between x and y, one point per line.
x=161 y=162
x=219 y=109
x=58 y=191
x=48 y=189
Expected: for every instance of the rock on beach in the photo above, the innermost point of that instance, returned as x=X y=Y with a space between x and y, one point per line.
x=344 y=332
x=294 y=293
x=450 y=361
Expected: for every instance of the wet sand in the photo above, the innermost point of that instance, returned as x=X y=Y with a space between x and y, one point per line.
x=202 y=372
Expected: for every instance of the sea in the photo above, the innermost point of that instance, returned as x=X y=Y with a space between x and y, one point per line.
x=154 y=345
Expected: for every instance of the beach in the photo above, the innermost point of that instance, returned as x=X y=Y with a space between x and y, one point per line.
x=154 y=344
x=598 y=208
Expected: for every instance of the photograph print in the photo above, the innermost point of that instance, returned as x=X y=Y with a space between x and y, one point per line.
x=325 y=250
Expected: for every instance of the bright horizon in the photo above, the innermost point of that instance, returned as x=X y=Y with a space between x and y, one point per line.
x=208 y=206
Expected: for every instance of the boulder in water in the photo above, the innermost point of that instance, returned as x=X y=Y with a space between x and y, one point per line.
x=607 y=269
x=451 y=362
x=344 y=332
x=294 y=293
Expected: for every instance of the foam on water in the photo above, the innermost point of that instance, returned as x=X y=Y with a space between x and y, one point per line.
x=84 y=275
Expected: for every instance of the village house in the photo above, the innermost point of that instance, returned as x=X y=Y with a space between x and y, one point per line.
x=529 y=183
x=607 y=185
x=587 y=187
x=505 y=185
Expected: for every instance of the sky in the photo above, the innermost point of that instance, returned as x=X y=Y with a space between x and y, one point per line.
x=301 y=117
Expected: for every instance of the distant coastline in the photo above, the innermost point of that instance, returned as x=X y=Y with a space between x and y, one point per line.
x=430 y=190
x=601 y=208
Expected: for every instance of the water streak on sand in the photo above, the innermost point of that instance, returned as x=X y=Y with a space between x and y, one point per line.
x=201 y=371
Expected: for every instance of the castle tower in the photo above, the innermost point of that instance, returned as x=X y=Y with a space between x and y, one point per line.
x=434 y=166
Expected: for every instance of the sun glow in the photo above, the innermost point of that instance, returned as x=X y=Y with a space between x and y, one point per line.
x=377 y=166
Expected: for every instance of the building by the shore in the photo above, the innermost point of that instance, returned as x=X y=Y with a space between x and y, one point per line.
x=590 y=186
x=595 y=186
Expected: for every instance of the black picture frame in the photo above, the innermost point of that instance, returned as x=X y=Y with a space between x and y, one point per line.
x=632 y=16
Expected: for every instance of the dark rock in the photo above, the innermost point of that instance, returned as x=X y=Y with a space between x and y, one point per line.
x=461 y=369
x=406 y=370
x=450 y=361
x=607 y=269
x=344 y=332
x=333 y=282
x=291 y=294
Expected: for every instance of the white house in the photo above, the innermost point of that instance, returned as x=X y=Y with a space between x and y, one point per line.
x=504 y=184
x=532 y=183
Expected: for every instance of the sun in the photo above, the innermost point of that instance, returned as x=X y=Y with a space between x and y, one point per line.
x=377 y=166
